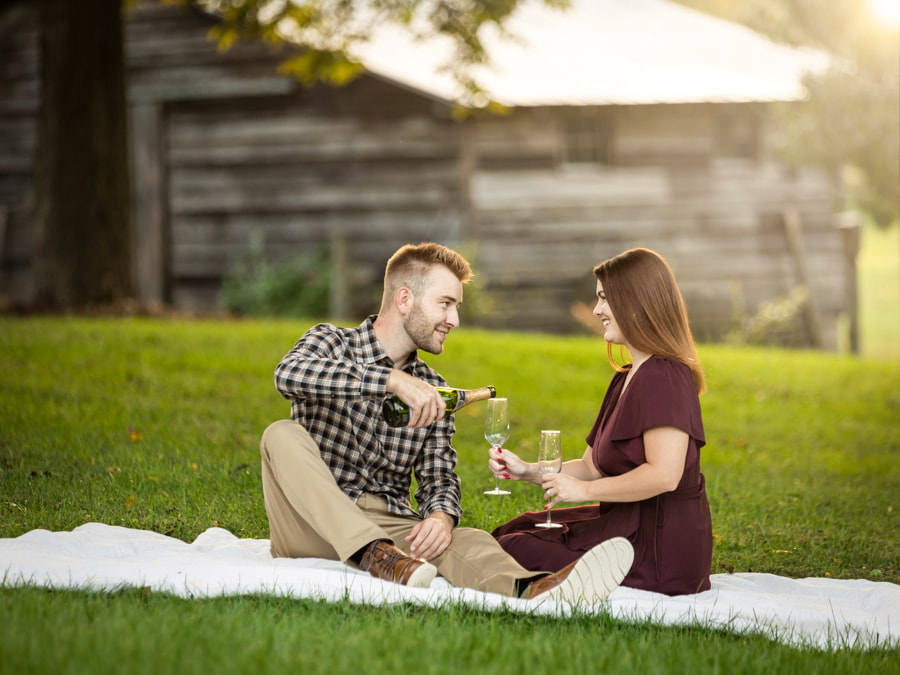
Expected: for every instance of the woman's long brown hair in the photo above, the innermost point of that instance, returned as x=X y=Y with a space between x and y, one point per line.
x=644 y=298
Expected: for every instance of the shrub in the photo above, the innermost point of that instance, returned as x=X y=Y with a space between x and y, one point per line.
x=298 y=286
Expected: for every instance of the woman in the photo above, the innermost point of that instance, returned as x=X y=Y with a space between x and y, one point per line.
x=642 y=461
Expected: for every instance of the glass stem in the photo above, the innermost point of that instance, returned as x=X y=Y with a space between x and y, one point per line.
x=548 y=514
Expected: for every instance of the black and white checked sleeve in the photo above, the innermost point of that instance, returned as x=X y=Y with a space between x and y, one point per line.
x=316 y=368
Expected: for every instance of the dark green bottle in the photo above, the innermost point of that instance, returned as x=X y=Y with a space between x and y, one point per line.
x=396 y=412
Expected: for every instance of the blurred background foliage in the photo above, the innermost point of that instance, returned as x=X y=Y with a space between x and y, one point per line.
x=297 y=286
x=331 y=27
x=851 y=122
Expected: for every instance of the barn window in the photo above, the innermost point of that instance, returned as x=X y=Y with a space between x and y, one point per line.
x=587 y=138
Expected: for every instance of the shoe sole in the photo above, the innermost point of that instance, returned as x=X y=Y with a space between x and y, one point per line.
x=596 y=574
x=422 y=576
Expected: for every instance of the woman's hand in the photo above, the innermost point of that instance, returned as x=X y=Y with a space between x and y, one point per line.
x=506 y=465
x=560 y=487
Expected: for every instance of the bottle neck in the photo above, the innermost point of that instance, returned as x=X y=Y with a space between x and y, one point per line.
x=480 y=394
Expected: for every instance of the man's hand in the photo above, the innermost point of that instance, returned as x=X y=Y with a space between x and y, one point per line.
x=431 y=537
x=425 y=403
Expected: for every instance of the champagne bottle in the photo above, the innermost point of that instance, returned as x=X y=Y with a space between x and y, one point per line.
x=396 y=412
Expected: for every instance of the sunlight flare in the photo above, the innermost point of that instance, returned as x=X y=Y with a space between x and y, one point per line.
x=886 y=12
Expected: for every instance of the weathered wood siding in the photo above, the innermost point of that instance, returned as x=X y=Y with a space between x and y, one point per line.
x=19 y=100
x=298 y=175
x=247 y=153
x=671 y=186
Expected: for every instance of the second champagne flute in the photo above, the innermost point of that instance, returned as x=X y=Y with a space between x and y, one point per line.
x=496 y=432
x=549 y=461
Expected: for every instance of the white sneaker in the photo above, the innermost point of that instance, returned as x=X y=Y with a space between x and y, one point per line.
x=591 y=578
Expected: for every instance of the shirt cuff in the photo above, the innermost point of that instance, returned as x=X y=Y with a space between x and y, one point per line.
x=374 y=381
x=448 y=508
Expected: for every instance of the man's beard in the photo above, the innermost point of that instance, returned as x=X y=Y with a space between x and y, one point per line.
x=421 y=332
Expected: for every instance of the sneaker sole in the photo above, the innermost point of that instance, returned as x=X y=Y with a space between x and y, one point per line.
x=422 y=576
x=597 y=573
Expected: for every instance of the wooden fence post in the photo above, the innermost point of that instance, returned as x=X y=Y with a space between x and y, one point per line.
x=3 y=221
x=848 y=226
x=338 y=300
x=150 y=237
x=793 y=229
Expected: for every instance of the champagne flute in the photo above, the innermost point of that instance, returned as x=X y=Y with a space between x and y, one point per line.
x=550 y=461
x=496 y=432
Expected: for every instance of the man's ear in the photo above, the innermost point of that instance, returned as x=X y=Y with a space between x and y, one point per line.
x=403 y=300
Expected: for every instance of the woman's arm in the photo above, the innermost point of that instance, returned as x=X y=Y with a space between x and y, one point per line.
x=506 y=465
x=666 y=451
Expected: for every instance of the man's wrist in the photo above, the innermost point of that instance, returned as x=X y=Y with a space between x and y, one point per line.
x=444 y=519
x=395 y=379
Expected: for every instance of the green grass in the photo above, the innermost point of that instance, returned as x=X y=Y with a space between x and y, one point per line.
x=138 y=632
x=155 y=424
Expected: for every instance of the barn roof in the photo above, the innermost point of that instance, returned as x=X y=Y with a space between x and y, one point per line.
x=604 y=52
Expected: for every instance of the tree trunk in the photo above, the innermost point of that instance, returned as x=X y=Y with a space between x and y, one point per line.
x=82 y=205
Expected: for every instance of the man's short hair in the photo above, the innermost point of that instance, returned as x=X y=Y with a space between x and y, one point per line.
x=410 y=263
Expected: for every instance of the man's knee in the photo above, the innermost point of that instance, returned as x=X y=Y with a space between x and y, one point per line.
x=275 y=431
x=284 y=435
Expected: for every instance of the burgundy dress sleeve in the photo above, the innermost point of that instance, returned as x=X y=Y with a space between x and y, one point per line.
x=661 y=393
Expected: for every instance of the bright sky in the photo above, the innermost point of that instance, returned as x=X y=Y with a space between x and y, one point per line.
x=886 y=11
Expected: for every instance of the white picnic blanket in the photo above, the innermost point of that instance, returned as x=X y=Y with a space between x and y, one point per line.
x=822 y=613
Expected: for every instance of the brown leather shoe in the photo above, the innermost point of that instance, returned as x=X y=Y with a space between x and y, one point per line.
x=385 y=561
x=591 y=578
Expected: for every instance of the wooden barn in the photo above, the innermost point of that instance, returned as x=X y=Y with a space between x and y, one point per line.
x=629 y=124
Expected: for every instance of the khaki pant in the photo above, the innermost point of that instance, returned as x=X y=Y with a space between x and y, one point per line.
x=310 y=517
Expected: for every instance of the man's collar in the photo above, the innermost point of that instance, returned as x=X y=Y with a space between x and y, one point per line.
x=374 y=352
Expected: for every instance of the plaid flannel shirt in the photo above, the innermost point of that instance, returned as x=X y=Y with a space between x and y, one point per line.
x=336 y=381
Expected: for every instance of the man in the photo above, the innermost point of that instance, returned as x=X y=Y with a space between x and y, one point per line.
x=336 y=477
